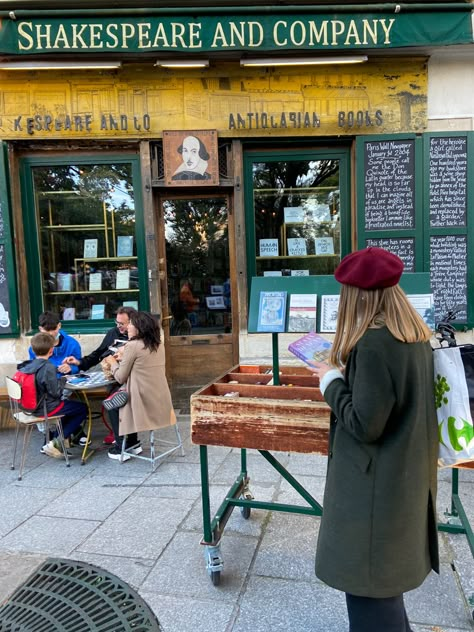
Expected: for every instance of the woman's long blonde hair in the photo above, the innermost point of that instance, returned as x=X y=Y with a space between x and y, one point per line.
x=360 y=310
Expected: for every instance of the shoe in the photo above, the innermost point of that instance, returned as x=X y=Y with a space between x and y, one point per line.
x=53 y=448
x=109 y=439
x=42 y=426
x=83 y=441
x=78 y=436
x=136 y=448
x=116 y=453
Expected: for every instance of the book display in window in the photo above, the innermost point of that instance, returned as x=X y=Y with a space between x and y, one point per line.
x=272 y=312
x=125 y=246
x=329 y=309
x=90 y=248
x=122 y=281
x=302 y=313
x=95 y=281
x=98 y=312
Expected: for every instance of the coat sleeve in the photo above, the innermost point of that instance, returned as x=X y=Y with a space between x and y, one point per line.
x=364 y=405
x=98 y=354
x=125 y=367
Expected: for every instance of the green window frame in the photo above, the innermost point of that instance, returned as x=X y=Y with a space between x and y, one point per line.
x=9 y=324
x=304 y=154
x=35 y=238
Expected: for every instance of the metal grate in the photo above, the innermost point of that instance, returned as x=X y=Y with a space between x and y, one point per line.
x=70 y=596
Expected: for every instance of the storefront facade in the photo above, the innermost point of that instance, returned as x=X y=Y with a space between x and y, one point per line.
x=168 y=189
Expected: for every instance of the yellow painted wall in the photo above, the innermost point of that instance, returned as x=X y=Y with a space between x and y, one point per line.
x=143 y=100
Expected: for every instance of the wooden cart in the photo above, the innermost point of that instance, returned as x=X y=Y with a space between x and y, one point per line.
x=244 y=409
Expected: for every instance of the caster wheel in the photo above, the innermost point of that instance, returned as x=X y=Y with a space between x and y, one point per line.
x=216 y=577
x=245 y=511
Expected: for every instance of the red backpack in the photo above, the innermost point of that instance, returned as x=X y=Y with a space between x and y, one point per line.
x=29 y=401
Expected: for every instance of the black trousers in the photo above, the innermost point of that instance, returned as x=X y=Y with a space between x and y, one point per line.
x=367 y=614
x=132 y=439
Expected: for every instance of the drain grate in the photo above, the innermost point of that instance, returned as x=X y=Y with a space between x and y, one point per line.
x=70 y=596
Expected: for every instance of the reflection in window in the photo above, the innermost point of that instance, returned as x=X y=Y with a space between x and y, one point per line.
x=197 y=254
x=297 y=217
x=86 y=219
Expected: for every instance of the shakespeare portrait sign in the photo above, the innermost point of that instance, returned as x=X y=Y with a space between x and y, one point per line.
x=190 y=158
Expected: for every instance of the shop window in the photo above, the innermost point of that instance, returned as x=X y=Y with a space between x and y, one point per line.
x=85 y=218
x=297 y=207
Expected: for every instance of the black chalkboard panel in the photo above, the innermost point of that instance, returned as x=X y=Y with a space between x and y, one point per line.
x=389 y=175
x=448 y=181
x=404 y=247
x=5 y=326
x=448 y=255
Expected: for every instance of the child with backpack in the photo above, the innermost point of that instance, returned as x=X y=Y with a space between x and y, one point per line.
x=48 y=392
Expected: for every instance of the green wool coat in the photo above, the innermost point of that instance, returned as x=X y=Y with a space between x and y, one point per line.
x=378 y=535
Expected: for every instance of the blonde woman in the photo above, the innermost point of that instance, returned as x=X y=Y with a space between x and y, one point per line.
x=378 y=535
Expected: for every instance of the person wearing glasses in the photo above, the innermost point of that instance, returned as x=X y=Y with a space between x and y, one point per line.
x=117 y=333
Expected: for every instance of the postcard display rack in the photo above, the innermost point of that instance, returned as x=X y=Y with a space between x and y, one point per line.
x=274 y=408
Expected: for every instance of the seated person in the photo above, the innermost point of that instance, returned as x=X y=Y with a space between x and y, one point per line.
x=180 y=324
x=50 y=391
x=64 y=345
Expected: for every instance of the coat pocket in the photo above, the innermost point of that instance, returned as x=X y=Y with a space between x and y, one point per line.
x=360 y=457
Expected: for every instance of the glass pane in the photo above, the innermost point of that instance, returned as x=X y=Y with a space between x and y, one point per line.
x=297 y=218
x=86 y=219
x=197 y=255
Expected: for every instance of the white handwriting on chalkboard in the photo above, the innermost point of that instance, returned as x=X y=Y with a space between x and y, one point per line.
x=448 y=181
x=448 y=272
x=389 y=185
x=403 y=247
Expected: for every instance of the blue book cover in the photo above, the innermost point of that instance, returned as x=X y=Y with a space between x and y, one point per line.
x=272 y=312
x=311 y=348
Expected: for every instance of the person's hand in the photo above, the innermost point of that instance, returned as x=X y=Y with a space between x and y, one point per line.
x=64 y=368
x=72 y=360
x=118 y=354
x=320 y=369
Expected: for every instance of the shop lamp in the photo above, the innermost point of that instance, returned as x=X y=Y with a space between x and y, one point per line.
x=302 y=61
x=182 y=63
x=59 y=65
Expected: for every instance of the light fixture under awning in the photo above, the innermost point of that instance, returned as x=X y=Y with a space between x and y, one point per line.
x=302 y=61
x=182 y=63
x=59 y=65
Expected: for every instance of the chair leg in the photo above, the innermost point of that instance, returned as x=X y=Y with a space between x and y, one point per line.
x=15 y=446
x=178 y=437
x=124 y=442
x=26 y=441
x=59 y=428
x=152 y=450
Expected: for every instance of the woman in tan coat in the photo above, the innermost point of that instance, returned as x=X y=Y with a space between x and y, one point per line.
x=142 y=368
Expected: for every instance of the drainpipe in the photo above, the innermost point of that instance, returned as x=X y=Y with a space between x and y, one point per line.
x=60 y=11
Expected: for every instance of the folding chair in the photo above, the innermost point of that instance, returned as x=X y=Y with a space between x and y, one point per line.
x=28 y=422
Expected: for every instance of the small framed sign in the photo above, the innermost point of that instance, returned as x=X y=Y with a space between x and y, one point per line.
x=190 y=158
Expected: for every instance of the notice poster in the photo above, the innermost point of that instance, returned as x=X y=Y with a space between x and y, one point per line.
x=64 y=282
x=268 y=247
x=122 y=280
x=95 y=281
x=272 y=312
x=97 y=312
x=302 y=313
x=297 y=247
x=294 y=214
x=90 y=248
x=324 y=246
x=125 y=246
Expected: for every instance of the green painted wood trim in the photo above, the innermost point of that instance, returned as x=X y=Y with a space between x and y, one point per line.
x=6 y=241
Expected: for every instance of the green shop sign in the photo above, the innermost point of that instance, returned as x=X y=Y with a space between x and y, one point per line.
x=243 y=33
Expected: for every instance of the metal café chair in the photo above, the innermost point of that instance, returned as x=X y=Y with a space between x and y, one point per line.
x=155 y=456
x=28 y=422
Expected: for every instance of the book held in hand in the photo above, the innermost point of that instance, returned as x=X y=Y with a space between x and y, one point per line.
x=311 y=348
x=272 y=312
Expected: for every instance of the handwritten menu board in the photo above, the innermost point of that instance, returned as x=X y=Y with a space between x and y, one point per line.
x=448 y=273
x=448 y=181
x=404 y=247
x=389 y=174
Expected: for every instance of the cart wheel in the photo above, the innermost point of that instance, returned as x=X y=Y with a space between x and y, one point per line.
x=216 y=578
x=245 y=511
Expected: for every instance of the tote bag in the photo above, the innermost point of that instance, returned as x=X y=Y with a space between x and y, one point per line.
x=454 y=397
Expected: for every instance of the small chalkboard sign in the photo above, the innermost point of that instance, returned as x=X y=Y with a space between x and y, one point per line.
x=404 y=247
x=389 y=184
x=449 y=273
x=448 y=181
x=5 y=320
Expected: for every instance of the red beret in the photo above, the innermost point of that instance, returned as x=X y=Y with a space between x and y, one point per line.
x=370 y=269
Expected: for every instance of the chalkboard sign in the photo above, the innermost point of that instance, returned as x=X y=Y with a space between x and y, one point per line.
x=404 y=247
x=448 y=181
x=448 y=255
x=389 y=175
x=5 y=326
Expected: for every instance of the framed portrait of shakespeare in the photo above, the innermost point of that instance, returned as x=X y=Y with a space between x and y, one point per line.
x=190 y=158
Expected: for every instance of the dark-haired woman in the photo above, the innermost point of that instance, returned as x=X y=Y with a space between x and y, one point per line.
x=142 y=368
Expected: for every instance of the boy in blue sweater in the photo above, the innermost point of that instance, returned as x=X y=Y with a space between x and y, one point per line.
x=64 y=345
x=50 y=391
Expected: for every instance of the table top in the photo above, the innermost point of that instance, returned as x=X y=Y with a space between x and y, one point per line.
x=95 y=379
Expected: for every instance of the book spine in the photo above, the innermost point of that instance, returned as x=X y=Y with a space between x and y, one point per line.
x=295 y=351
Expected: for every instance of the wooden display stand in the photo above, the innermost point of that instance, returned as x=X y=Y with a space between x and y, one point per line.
x=242 y=409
